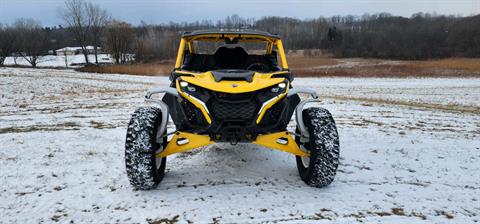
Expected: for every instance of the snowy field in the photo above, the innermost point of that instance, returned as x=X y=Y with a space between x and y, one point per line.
x=59 y=61
x=410 y=153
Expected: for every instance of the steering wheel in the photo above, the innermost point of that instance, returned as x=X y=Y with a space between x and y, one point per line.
x=258 y=67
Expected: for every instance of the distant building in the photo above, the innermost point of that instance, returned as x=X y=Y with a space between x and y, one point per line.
x=68 y=51
x=76 y=50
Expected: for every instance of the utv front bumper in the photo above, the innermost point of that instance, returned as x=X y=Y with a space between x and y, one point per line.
x=231 y=121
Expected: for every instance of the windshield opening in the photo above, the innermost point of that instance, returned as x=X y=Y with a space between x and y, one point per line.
x=238 y=55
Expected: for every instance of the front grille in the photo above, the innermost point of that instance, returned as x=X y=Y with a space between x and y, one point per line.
x=235 y=111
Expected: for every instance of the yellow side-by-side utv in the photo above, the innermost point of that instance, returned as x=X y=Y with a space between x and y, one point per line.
x=228 y=86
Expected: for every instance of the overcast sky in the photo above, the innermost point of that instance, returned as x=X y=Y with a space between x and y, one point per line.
x=164 y=11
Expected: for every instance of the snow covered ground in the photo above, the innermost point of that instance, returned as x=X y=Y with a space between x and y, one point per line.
x=410 y=153
x=59 y=61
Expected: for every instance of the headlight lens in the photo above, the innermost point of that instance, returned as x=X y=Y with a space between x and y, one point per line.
x=192 y=89
x=279 y=88
x=183 y=84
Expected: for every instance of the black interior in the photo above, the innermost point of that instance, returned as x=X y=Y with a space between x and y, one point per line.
x=230 y=58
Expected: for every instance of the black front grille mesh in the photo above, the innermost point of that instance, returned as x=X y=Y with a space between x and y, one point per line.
x=226 y=111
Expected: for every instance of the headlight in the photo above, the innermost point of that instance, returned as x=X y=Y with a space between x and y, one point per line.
x=195 y=95
x=186 y=87
x=270 y=97
x=183 y=84
x=193 y=90
x=279 y=88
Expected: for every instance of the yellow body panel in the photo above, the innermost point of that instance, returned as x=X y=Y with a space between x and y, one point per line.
x=181 y=49
x=206 y=80
x=281 y=52
x=270 y=141
x=194 y=141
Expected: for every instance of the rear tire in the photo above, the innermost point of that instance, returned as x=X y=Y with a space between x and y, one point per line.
x=319 y=169
x=144 y=170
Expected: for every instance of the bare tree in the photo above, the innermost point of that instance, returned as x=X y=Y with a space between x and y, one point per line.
x=142 y=48
x=32 y=40
x=7 y=42
x=119 y=40
x=99 y=19
x=75 y=16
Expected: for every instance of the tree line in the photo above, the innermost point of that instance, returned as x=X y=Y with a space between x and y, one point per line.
x=421 y=36
x=86 y=24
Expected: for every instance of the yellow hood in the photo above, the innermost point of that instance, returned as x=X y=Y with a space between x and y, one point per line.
x=206 y=80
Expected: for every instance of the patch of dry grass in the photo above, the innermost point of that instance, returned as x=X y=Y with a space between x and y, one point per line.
x=469 y=64
x=450 y=67
x=150 y=69
x=306 y=66
x=432 y=106
x=56 y=127
x=299 y=62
